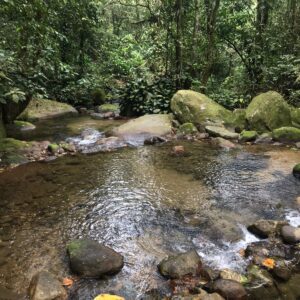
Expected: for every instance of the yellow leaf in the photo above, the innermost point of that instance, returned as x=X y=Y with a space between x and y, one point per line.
x=269 y=263
x=108 y=297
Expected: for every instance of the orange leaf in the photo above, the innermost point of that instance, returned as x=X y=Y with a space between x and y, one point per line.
x=68 y=282
x=269 y=263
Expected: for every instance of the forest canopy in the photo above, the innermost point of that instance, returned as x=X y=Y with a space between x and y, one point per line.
x=142 y=51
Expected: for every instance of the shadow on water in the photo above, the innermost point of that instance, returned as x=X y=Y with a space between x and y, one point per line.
x=145 y=204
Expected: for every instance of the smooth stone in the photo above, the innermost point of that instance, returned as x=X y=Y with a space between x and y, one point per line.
x=218 y=131
x=223 y=143
x=266 y=228
x=290 y=234
x=229 y=289
x=90 y=259
x=45 y=286
x=177 y=266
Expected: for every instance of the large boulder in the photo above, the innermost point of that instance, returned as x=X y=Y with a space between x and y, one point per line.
x=89 y=259
x=192 y=107
x=145 y=127
x=44 y=109
x=267 y=112
x=45 y=286
x=177 y=266
x=286 y=134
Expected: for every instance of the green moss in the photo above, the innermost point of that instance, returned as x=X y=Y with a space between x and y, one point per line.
x=42 y=109
x=10 y=145
x=75 y=246
x=192 y=107
x=53 y=148
x=268 y=111
x=188 y=128
x=248 y=136
x=239 y=119
x=108 y=107
x=23 y=125
x=295 y=113
x=286 y=134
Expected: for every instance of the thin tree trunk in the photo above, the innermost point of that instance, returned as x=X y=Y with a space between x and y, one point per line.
x=178 y=43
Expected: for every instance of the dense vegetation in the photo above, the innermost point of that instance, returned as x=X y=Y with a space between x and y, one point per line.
x=141 y=51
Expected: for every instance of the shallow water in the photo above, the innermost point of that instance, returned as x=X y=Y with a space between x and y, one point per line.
x=144 y=203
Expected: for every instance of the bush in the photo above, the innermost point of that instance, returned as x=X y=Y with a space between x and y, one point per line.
x=98 y=96
x=143 y=97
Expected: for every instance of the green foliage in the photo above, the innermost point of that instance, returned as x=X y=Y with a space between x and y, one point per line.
x=98 y=96
x=147 y=97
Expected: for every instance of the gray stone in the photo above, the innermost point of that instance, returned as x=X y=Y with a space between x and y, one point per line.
x=290 y=234
x=229 y=289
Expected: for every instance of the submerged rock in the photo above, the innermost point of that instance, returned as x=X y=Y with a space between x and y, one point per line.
x=267 y=112
x=90 y=259
x=290 y=234
x=45 y=286
x=43 y=109
x=223 y=143
x=145 y=127
x=266 y=228
x=192 y=107
x=265 y=138
x=286 y=134
x=229 y=289
x=218 y=131
x=296 y=171
x=248 y=136
x=178 y=151
x=177 y=266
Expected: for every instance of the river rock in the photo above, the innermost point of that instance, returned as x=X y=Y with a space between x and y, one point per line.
x=223 y=143
x=264 y=138
x=229 y=289
x=266 y=228
x=43 y=109
x=188 y=128
x=177 y=266
x=248 y=136
x=290 y=234
x=24 y=126
x=178 y=151
x=267 y=112
x=45 y=286
x=192 y=107
x=282 y=271
x=90 y=259
x=218 y=131
x=232 y=275
x=286 y=134
x=154 y=140
x=296 y=171
x=145 y=127
x=259 y=275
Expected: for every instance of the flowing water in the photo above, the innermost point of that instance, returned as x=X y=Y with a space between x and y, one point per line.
x=142 y=202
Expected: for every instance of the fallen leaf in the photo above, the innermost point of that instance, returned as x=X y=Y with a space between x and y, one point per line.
x=68 y=282
x=108 y=297
x=269 y=263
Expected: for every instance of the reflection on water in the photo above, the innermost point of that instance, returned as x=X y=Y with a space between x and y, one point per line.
x=145 y=204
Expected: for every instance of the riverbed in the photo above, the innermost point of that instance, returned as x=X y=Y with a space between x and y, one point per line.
x=142 y=202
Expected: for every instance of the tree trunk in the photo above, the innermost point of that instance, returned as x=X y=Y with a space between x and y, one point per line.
x=178 y=43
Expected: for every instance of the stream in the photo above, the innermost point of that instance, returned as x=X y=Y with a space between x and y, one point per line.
x=142 y=202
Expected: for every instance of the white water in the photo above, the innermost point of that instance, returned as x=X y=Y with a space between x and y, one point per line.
x=293 y=217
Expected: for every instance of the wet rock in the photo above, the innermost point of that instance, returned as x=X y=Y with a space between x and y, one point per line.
x=154 y=140
x=265 y=138
x=290 y=234
x=88 y=258
x=282 y=271
x=218 y=131
x=7 y=294
x=229 y=289
x=192 y=107
x=222 y=143
x=152 y=295
x=298 y=201
x=232 y=275
x=290 y=290
x=259 y=276
x=201 y=295
x=24 y=126
x=266 y=228
x=97 y=116
x=296 y=171
x=53 y=148
x=177 y=266
x=239 y=116
x=68 y=147
x=45 y=286
x=248 y=136
x=286 y=134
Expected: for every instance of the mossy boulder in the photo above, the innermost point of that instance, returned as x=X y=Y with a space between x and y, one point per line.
x=192 y=107
x=11 y=145
x=296 y=171
x=248 y=136
x=239 y=119
x=53 y=148
x=108 y=108
x=286 y=134
x=188 y=128
x=23 y=125
x=267 y=112
x=295 y=113
x=44 y=109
